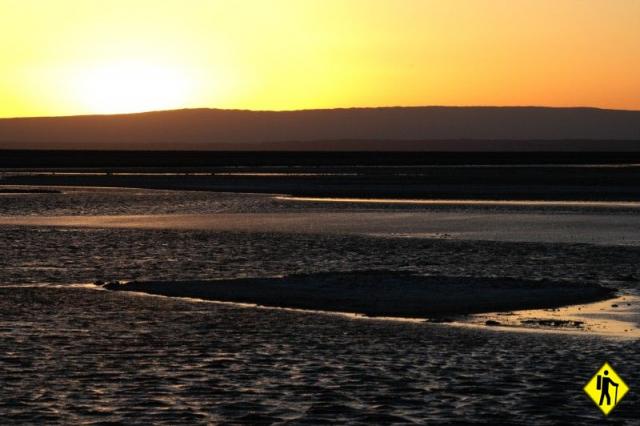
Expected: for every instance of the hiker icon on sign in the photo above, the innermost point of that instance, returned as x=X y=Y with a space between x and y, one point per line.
x=603 y=386
x=600 y=388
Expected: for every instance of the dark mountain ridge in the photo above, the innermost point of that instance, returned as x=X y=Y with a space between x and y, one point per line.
x=391 y=128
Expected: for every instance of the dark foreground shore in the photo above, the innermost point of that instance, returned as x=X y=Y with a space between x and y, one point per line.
x=382 y=293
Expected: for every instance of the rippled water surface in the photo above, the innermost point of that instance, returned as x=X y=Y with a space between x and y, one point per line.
x=75 y=354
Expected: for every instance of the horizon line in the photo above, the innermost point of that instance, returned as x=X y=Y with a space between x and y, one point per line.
x=319 y=109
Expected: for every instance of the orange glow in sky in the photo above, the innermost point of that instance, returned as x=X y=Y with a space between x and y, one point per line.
x=68 y=57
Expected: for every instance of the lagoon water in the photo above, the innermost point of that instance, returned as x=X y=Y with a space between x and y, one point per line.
x=73 y=353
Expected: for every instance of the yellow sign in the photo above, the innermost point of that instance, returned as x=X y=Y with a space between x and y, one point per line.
x=606 y=388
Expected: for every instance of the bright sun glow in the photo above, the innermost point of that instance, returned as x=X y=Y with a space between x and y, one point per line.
x=131 y=86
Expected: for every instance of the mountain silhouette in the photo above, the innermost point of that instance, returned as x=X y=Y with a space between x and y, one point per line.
x=392 y=128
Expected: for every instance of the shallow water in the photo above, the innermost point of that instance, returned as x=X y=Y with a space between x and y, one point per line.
x=74 y=354
x=609 y=223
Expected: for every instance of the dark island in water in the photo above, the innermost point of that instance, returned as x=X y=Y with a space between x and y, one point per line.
x=383 y=293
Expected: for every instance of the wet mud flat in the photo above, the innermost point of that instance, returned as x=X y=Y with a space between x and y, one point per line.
x=71 y=353
x=382 y=293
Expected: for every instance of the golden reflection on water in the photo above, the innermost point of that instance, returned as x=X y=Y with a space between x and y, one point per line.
x=615 y=318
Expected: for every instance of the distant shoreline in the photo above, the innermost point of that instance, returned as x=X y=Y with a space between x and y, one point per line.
x=28 y=191
x=498 y=182
x=195 y=160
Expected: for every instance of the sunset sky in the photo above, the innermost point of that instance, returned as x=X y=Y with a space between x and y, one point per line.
x=67 y=57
